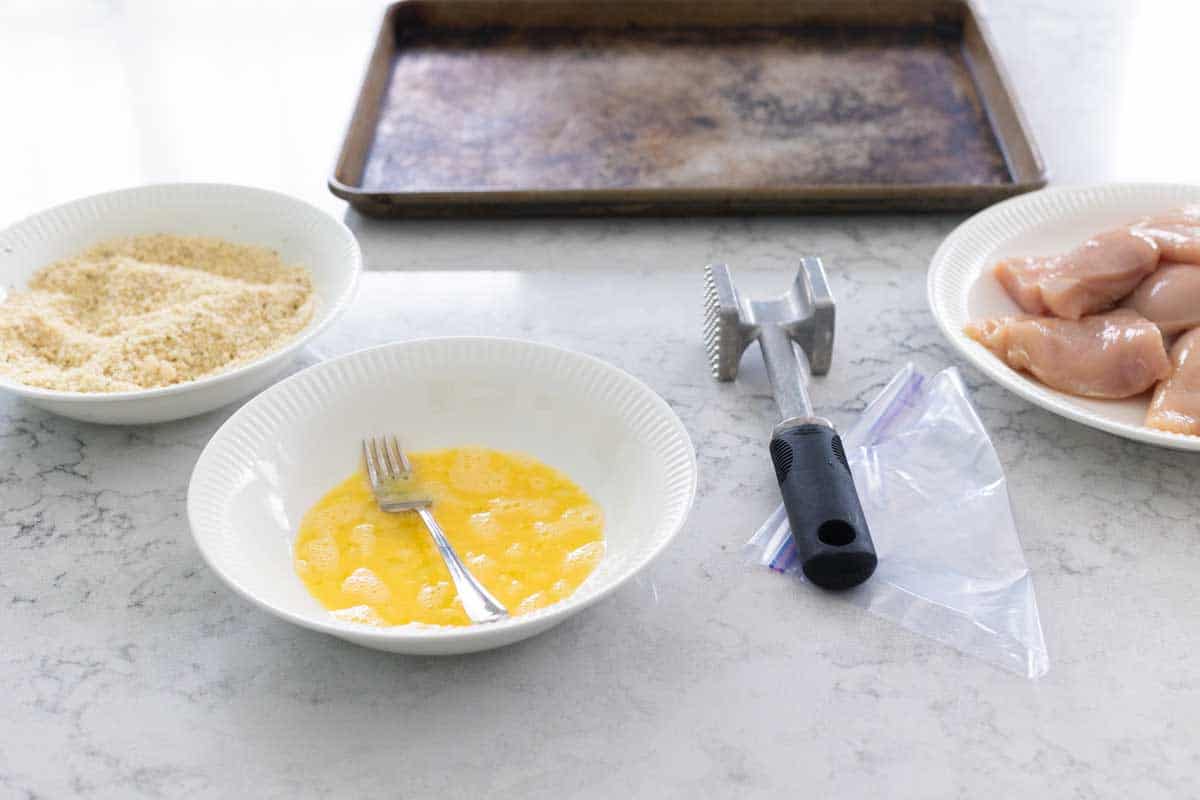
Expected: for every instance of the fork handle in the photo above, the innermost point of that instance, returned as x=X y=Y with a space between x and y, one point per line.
x=477 y=601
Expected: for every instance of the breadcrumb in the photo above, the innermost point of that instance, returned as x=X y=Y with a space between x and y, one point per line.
x=150 y=311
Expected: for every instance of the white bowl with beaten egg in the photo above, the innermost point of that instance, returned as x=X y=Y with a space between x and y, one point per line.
x=302 y=234
x=283 y=450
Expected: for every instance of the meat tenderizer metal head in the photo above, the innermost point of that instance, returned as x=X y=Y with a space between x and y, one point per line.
x=832 y=540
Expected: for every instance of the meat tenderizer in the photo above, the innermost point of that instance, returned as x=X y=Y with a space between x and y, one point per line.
x=832 y=540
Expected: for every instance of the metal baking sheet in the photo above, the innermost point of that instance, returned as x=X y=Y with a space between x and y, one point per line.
x=536 y=106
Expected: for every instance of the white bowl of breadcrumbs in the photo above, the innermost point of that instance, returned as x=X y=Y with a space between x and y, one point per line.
x=161 y=302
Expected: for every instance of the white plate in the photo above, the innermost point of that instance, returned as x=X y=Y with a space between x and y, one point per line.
x=303 y=234
x=284 y=449
x=1045 y=222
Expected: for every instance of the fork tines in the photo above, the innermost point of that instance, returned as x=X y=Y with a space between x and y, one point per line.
x=384 y=459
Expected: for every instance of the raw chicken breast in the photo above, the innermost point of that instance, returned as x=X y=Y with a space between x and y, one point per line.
x=1170 y=298
x=1113 y=355
x=1090 y=278
x=1177 y=233
x=1176 y=403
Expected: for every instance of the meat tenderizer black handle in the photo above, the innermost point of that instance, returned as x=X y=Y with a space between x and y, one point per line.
x=832 y=540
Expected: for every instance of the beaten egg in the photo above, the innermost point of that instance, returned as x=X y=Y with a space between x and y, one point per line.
x=525 y=530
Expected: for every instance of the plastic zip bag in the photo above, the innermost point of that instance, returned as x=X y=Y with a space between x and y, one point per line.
x=934 y=494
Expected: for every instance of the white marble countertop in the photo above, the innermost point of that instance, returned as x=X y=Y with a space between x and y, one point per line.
x=127 y=670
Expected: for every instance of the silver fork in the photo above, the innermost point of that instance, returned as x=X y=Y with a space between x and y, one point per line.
x=395 y=490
